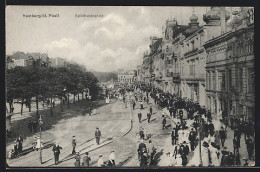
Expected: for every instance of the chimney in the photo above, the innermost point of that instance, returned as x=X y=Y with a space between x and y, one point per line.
x=223 y=19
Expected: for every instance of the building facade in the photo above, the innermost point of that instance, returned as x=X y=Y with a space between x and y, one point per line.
x=230 y=68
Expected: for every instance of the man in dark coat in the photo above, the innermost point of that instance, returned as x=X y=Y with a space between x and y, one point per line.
x=164 y=122
x=192 y=139
x=224 y=158
x=183 y=155
x=56 y=150
x=140 y=148
x=151 y=110
x=85 y=161
x=250 y=148
x=20 y=144
x=148 y=117
x=222 y=136
x=174 y=135
x=144 y=158
x=211 y=128
x=133 y=105
x=139 y=116
x=236 y=145
x=97 y=135
x=34 y=126
x=237 y=134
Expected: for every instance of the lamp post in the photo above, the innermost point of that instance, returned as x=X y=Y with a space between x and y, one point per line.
x=40 y=123
x=200 y=138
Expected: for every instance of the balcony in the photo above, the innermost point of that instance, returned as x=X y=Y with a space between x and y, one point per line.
x=200 y=77
x=190 y=52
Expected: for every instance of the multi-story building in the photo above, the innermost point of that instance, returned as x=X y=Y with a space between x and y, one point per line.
x=230 y=68
x=126 y=77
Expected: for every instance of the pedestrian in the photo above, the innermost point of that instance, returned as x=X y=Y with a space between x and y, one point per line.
x=217 y=138
x=222 y=135
x=178 y=160
x=147 y=100
x=53 y=104
x=205 y=154
x=214 y=154
x=140 y=148
x=111 y=161
x=142 y=106
x=151 y=110
x=148 y=117
x=20 y=144
x=237 y=134
x=97 y=135
x=236 y=145
x=56 y=150
x=77 y=158
x=35 y=124
x=250 y=148
x=164 y=122
x=100 y=162
x=183 y=154
x=237 y=161
x=15 y=149
x=140 y=117
x=73 y=143
x=144 y=157
x=224 y=158
x=30 y=125
x=192 y=139
x=211 y=128
x=181 y=116
x=86 y=159
x=133 y=105
x=151 y=152
x=39 y=144
x=174 y=136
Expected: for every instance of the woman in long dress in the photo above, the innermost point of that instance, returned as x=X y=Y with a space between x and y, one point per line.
x=178 y=161
x=213 y=154
x=39 y=144
x=205 y=154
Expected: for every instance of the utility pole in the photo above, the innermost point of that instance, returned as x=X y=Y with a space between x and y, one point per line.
x=200 y=139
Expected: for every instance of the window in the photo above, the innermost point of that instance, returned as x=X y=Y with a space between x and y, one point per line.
x=251 y=80
x=207 y=80
x=213 y=80
x=221 y=80
x=192 y=45
x=240 y=79
x=210 y=80
x=230 y=79
x=192 y=68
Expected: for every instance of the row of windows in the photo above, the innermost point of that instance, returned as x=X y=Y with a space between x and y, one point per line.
x=217 y=81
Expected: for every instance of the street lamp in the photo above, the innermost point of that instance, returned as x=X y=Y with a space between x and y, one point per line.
x=40 y=122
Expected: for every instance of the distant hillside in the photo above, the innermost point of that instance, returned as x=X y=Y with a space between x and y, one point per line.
x=105 y=76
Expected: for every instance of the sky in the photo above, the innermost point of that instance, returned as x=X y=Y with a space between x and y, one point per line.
x=115 y=40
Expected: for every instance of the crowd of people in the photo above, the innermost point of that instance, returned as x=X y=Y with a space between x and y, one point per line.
x=202 y=131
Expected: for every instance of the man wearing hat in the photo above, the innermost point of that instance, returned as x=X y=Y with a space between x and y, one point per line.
x=97 y=135
x=73 y=145
x=56 y=150
x=224 y=157
x=144 y=156
x=140 y=148
x=148 y=117
x=139 y=116
x=192 y=139
x=85 y=161
x=163 y=122
x=222 y=135
x=174 y=136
